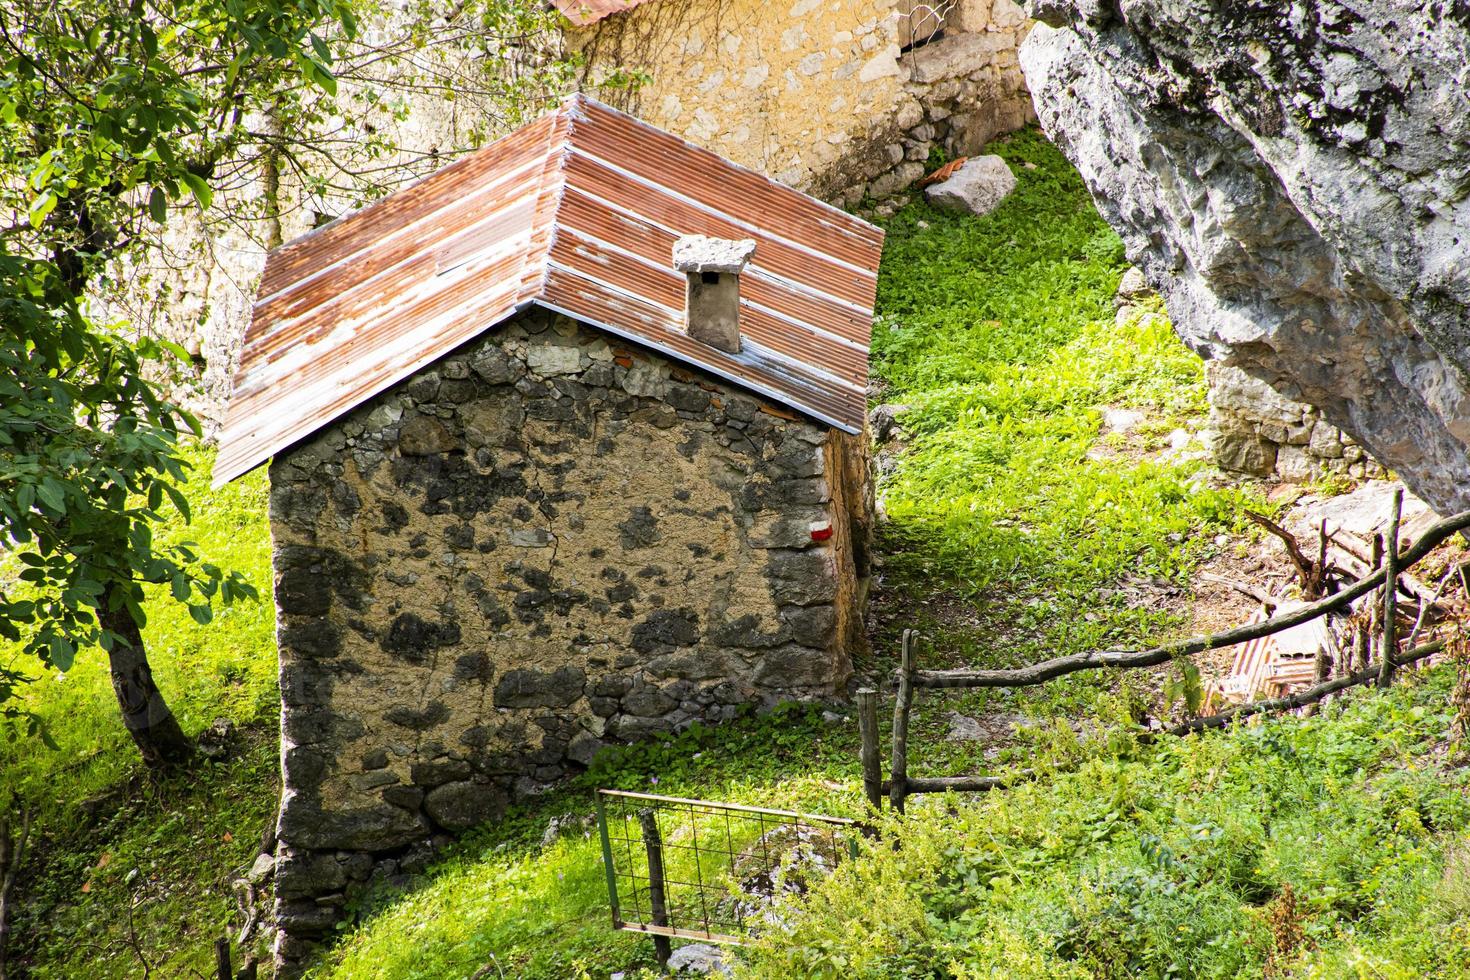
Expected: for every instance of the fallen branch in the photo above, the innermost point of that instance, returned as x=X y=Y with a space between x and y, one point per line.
x=1061 y=666
x=1311 y=576
x=1244 y=588
x=1425 y=606
x=984 y=784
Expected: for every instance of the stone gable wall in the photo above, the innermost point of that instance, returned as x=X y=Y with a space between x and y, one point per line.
x=545 y=542
x=818 y=94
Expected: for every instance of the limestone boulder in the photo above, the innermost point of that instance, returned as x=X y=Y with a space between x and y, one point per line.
x=978 y=187
x=1291 y=177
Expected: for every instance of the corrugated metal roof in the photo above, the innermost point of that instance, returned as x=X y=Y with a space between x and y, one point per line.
x=584 y=12
x=577 y=212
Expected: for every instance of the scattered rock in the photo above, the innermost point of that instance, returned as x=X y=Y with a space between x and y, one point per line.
x=699 y=958
x=1120 y=419
x=883 y=420
x=1132 y=288
x=1363 y=512
x=263 y=868
x=986 y=728
x=978 y=187
x=217 y=741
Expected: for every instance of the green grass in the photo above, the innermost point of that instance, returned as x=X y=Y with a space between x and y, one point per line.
x=1174 y=861
x=999 y=333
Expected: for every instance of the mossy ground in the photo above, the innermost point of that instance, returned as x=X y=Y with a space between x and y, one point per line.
x=1008 y=537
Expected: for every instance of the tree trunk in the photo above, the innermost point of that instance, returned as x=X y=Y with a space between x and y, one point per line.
x=146 y=714
x=12 y=853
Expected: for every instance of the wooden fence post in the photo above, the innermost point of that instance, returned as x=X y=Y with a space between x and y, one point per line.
x=1391 y=592
x=899 y=770
x=867 y=708
x=653 y=843
x=222 y=959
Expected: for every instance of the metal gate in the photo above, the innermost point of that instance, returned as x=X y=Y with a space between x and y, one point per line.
x=695 y=869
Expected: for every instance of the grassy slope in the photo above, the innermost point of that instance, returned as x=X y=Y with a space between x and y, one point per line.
x=999 y=331
x=160 y=853
x=1328 y=848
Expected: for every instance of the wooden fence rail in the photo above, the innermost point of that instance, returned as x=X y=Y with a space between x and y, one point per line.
x=899 y=785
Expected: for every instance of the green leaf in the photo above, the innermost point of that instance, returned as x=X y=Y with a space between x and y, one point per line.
x=41 y=207
x=203 y=193
x=61 y=653
x=179 y=500
x=158 y=205
x=180 y=586
x=201 y=612
x=52 y=494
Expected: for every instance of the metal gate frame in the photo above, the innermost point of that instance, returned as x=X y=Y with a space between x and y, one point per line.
x=656 y=910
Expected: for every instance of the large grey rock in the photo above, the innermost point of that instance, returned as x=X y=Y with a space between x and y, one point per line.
x=977 y=187
x=1292 y=178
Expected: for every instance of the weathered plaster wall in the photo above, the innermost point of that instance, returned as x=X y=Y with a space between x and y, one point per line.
x=816 y=94
x=544 y=542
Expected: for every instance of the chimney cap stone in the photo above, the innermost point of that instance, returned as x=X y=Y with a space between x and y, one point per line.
x=700 y=253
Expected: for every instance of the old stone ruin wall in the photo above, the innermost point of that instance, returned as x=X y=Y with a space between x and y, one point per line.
x=541 y=544
x=1255 y=430
x=819 y=95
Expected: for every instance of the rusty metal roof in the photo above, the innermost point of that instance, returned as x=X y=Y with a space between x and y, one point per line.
x=576 y=212
x=584 y=12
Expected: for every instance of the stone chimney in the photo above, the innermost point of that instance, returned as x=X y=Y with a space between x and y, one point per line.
x=712 y=267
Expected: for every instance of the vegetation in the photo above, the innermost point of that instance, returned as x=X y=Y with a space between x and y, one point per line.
x=1328 y=847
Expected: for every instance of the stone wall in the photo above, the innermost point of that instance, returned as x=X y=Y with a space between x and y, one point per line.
x=818 y=94
x=543 y=543
x=1253 y=429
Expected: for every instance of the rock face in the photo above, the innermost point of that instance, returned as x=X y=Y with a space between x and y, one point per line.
x=1292 y=177
x=977 y=187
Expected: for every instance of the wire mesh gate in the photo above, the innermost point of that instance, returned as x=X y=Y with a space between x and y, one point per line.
x=695 y=869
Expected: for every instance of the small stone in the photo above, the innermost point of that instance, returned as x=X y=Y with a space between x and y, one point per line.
x=883 y=420
x=1132 y=287
x=698 y=958
x=528 y=537
x=263 y=868
x=425 y=436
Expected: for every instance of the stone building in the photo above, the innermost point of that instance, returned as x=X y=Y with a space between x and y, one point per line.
x=566 y=448
x=844 y=99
